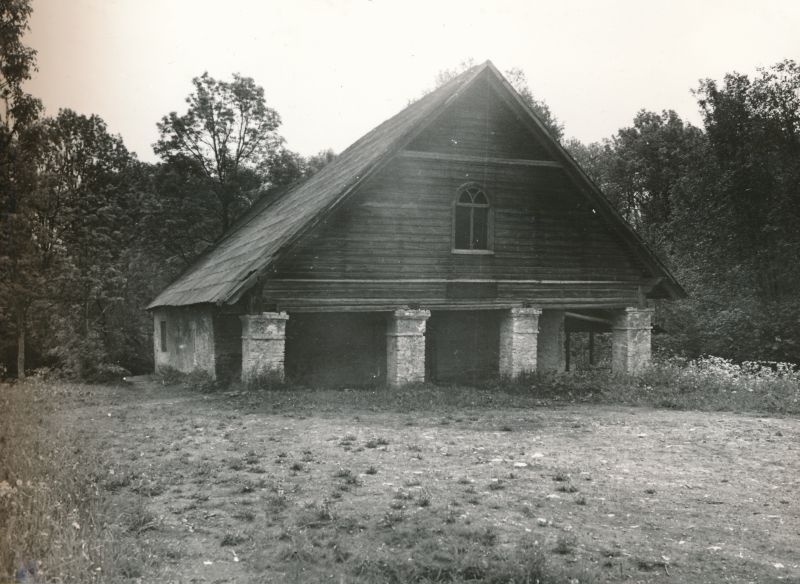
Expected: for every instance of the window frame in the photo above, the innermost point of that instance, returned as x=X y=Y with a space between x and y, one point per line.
x=489 y=249
x=163 y=336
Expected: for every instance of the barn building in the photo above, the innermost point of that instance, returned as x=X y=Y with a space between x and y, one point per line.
x=457 y=240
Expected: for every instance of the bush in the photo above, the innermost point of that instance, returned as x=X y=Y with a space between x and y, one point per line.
x=708 y=383
x=201 y=381
x=197 y=380
x=108 y=373
x=266 y=380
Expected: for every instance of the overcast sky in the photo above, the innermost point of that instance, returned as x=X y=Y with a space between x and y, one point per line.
x=334 y=69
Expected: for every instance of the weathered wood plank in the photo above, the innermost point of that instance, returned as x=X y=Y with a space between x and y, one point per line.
x=481 y=124
x=466 y=158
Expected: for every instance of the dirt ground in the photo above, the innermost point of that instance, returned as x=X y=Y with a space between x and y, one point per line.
x=237 y=487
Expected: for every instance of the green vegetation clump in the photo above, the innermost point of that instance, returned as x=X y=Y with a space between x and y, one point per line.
x=54 y=505
x=197 y=380
x=708 y=383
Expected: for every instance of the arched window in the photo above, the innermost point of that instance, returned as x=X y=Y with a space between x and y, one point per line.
x=471 y=224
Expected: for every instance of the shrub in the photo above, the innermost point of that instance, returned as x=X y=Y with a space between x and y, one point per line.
x=107 y=373
x=708 y=383
x=197 y=380
x=201 y=381
x=170 y=376
x=266 y=380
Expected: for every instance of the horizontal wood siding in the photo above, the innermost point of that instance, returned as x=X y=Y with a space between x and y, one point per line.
x=480 y=124
x=375 y=296
x=400 y=226
x=549 y=247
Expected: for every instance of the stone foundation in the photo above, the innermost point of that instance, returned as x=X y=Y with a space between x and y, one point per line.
x=263 y=344
x=630 y=344
x=551 y=342
x=405 y=347
x=519 y=332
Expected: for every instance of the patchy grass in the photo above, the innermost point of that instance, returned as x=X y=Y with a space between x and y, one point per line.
x=66 y=514
x=510 y=489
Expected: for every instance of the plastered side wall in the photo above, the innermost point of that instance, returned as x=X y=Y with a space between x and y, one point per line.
x=189 y=339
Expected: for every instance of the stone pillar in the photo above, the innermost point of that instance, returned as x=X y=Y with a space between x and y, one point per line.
x=630 y=341
x=263 y=342
x=405 y=347
x=551 y=352
x=519 y=331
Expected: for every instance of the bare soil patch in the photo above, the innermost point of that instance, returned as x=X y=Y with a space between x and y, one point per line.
x=266 y=487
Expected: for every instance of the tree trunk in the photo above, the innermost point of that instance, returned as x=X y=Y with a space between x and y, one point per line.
x=20 y=344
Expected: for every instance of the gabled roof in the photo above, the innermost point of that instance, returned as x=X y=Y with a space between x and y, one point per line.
x=234 y=263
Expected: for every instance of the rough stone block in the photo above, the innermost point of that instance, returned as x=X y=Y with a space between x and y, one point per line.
x=519 y=333
x=405 y=347
x=263 y=344
x=630 y=342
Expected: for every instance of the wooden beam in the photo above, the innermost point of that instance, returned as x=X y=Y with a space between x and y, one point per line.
x=417 y=154
x=588 y=318
x=442 y=281
x=384 y=304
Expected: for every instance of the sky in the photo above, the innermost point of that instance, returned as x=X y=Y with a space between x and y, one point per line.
x=334 y=69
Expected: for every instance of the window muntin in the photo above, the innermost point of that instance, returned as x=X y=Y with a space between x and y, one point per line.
x=472 y=219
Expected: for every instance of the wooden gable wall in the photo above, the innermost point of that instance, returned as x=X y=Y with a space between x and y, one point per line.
x=391 y=243
x=479 y=124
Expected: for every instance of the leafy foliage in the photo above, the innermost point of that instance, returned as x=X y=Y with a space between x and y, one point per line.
x=226 y=131
x=80 y=237
x=18 y=114
x=219 y=158
x=722 y=206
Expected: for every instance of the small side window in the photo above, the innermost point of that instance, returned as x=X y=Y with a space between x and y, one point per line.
x=163 y=336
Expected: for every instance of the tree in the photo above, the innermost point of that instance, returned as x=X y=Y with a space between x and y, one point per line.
x=517 y=78
x=80 y=214
x=742 y=205
x=640 y=166
x=18 y=115
x=228 y=132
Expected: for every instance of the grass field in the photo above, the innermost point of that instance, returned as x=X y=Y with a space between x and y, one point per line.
x=352 y=486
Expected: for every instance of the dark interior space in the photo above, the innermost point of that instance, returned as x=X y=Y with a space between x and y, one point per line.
x=336 y=349
x=462 y=346
x=228 y=347
x=588 y=340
